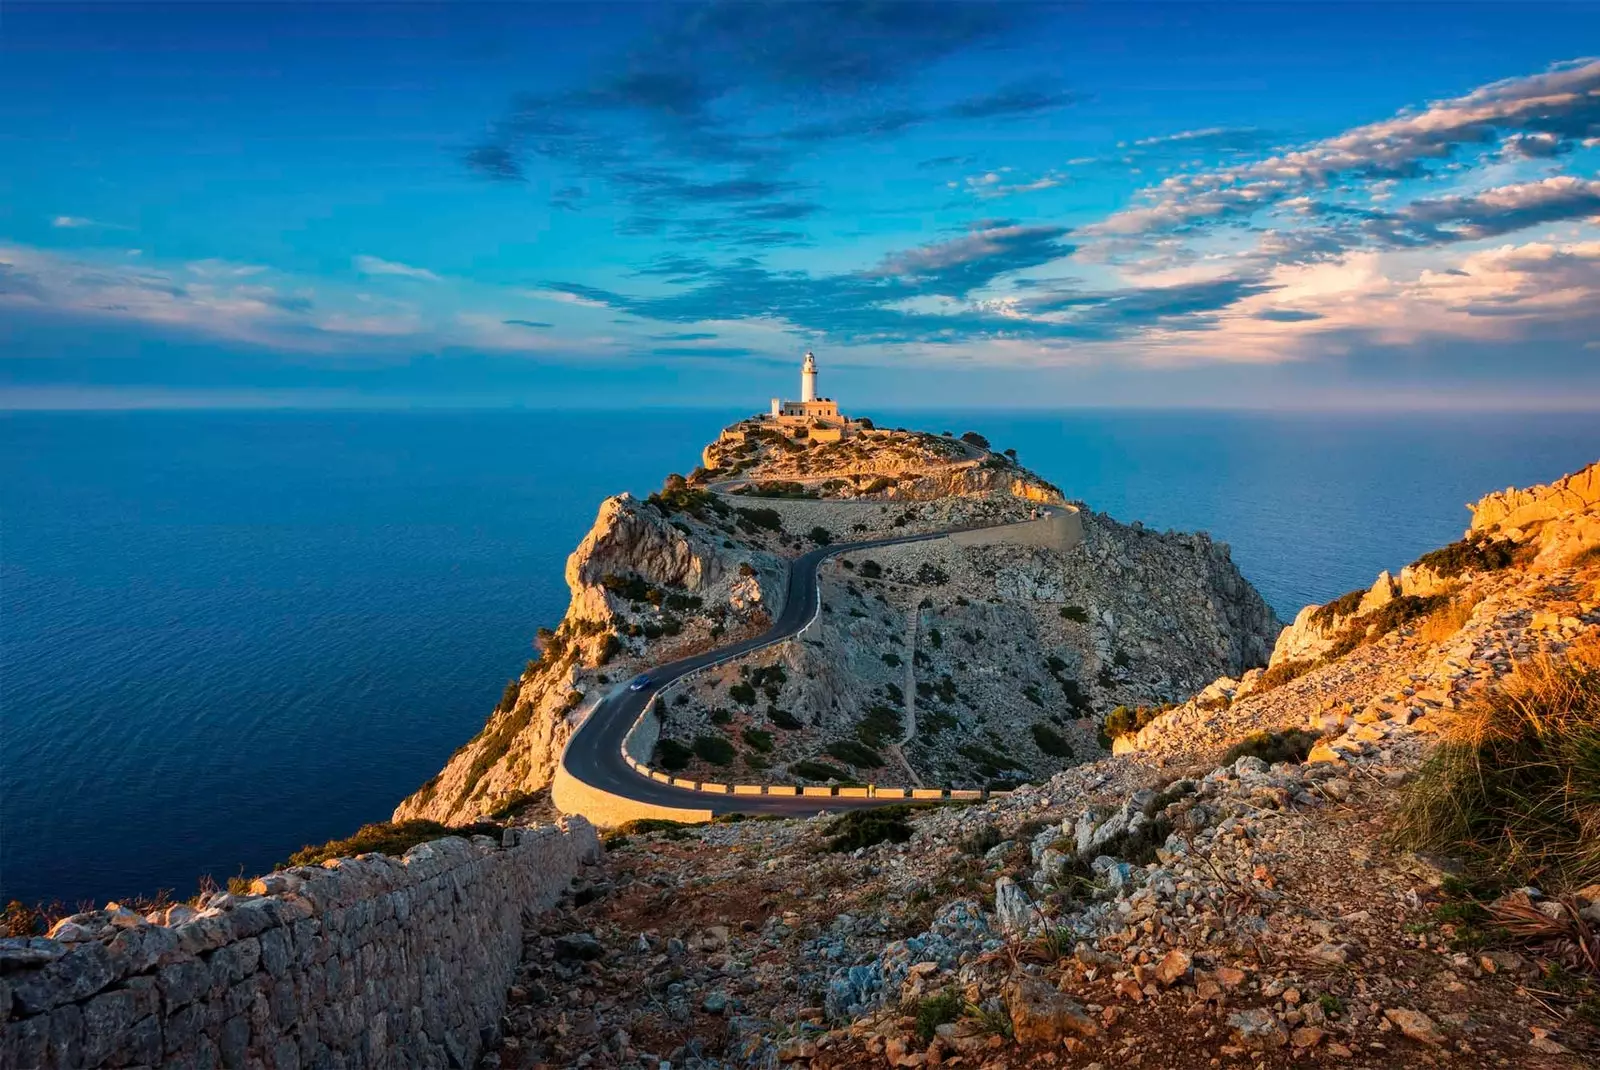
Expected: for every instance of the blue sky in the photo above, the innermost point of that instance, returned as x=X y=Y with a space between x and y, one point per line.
x=1293 y=205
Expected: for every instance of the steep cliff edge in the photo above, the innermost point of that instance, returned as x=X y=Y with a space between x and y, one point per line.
x=971 y=660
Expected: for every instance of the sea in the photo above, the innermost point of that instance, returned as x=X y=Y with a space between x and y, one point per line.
x=227 y=634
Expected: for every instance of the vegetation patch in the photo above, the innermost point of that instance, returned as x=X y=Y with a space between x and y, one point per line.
x=1281 y=673
x=853 y=753
x=935 y=1011
x=1342 y=606
x=387 y=838
x=1514 y=787
x=1051 y=742
x=1289 y=746
x=1478 y=553
x=757 y=739
x=879 y=726
x=820 y=771
x=713 y=749
x=760 y=519
x=784 y=719
x=671 y=755
x=1125 y=719
x=863 y=828
x=1077 y=614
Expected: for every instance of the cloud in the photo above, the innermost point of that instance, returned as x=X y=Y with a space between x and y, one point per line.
x=1562 y=102
x=537 y=324
x=1491 y=212
x=725 y=352
x=683 y=336
x=73 y=222
x=572 y=295
x=1022 y=98
x=372 y=265
x=494 y=161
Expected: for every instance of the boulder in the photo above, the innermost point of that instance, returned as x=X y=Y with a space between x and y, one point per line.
x=1040 y=1014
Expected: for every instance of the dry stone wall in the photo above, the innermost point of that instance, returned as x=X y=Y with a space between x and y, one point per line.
x=363 y=962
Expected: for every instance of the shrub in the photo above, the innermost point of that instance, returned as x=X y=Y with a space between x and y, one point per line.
x=1075 y=613
x=863 y=828
x=880 y=725
x=508 y=697
x=389 y=838
x=757 y=739
x=671 y=755
x=1031 y=693
x=852 y=753
x=1514 y=786
x=972 y=438
x=742 y=693
x=870 y=569
x=935 y=638
x=784 y=719
x=713 y=749
x=1281 y=673
x=1477 y=553
x=608 y=649
x=1050 y=741
x=820 y=535
x=810 y=770
x=1342 y=606
x=1289 y=746
x=982 y=841
x=1123 y=719
x=764 y=518
x=721 y=716
x=892 y=660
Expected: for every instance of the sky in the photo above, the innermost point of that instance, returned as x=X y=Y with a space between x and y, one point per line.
x=1287 y=206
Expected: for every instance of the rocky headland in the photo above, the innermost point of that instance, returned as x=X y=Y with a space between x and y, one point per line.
x=969 y=661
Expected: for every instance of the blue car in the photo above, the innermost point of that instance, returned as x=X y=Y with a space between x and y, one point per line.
x=639 y=684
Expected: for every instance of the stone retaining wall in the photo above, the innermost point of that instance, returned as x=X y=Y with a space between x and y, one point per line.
x=364 y=962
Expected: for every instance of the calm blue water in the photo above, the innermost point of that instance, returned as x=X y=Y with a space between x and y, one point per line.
x=229 y=634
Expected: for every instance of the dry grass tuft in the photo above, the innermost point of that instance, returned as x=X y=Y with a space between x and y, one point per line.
x=1515 y=785
x=1448 y=619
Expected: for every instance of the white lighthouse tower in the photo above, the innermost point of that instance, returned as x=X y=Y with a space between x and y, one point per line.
x=808 y=378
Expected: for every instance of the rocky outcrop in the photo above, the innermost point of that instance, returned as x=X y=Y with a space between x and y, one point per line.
x=370 y=961
x=1550 y=524
x=652 y=580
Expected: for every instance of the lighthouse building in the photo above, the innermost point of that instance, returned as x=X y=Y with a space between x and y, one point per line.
x=810 y=410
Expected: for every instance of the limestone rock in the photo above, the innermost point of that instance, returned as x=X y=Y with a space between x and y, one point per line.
x=1040 y=1014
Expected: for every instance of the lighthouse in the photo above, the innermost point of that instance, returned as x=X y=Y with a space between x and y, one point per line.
x=808 y=378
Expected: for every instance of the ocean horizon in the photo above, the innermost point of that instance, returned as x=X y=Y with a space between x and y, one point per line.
x=227 y=634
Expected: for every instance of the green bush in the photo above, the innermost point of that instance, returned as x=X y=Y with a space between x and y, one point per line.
x=853 y=753
x=810 y=770
x=863 y=828
x=1075 y=613
x=671 y=755
x=784 y=719
x=742 y=693
x=757 y=739
x=870 y=569
x=974 y=439
x=1123 y=719
x=1050 y=741
x=1271 y=747
x=713 y=749
x=892 y=660
x=1477 y=553
x=721 y=716
x=820 y=535
x=764 y=518
x=1342 y=606
x=388 y=838
x=880 y=725
x=508 y=697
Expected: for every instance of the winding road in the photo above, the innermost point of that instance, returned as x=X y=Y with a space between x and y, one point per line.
x=594 y=753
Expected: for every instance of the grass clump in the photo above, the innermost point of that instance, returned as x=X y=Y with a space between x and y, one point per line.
x=1289 y=746
x=713 y=749
x=1514 y=786
x=387 y=838
x=863 y=828
x=852 y=753
x=1342 y=606
x=934 y=1011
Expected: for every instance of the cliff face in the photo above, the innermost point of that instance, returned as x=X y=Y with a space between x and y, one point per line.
x=986 y=657
x=1549 y=524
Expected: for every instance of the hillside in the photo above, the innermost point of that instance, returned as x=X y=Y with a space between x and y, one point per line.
x=1260 y=876
x=901 y=678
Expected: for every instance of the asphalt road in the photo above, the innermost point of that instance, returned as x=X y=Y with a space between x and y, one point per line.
x=594 y=754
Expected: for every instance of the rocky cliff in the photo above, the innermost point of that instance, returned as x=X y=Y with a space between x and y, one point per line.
x=971 y=661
